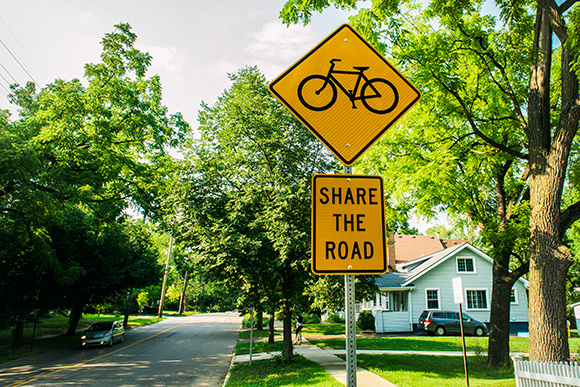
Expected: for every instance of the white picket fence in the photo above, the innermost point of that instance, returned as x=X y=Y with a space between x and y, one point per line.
x=546 y=374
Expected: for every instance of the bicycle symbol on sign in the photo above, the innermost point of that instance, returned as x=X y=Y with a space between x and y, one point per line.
x=377 y=95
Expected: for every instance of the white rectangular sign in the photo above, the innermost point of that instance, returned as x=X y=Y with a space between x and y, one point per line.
x=457 y=290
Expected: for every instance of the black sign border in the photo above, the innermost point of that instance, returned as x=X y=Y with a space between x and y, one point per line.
x=313 y=235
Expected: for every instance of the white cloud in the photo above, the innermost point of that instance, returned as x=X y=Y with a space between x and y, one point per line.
x=276 y=46
x=89 y=18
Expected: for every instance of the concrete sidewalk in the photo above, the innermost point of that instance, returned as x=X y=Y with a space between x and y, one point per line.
x=331 y=363
x=336 y=367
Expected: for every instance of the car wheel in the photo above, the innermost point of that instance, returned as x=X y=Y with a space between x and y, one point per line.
x=122 y=338
x=111 y=342
x=439 y=331
x=479 y=331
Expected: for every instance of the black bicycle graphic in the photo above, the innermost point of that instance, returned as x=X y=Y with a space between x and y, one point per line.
x=377 y=95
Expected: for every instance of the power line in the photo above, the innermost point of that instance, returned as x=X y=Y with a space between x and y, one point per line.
x=24 y=49
x=20 y=64
x=11 y=76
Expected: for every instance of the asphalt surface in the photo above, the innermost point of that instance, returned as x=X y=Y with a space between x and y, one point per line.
x=179 y=351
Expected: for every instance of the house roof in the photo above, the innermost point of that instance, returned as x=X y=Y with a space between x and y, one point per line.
x=427 y=263
x=392 y=280
x=411 y=247
x=440 y=257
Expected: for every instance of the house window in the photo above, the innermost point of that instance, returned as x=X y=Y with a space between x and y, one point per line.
x=465 y=265
x=514 y=296
x=432 y=298
x=476 y=299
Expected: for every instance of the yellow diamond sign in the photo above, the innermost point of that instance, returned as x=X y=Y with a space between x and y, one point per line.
x=346 y=93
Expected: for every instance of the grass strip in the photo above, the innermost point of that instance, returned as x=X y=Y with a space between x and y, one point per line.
x=243 y=348
x=276 y=372
x=428 y=343
x=436 y=371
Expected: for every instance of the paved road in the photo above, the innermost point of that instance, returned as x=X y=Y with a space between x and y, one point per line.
x=179 y=351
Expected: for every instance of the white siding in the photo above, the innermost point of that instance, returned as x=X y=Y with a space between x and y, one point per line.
x=392 y=322
x=440 y=278
x=519 y=311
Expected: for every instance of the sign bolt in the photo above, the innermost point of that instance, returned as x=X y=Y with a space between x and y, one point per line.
x=346 y=40
x=347 y=145
x=349 y=267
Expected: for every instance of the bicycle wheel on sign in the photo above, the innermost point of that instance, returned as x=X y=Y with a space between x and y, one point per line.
x=379 y=96
x=317 y=92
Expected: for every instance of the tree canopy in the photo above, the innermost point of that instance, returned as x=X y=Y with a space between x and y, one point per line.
x=80 y=154
x=500 y=106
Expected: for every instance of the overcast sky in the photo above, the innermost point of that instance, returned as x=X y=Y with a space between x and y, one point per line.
x=194 y=43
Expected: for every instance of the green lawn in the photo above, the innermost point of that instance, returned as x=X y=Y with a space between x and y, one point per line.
x=266 y=373
x=403 y=370
x=416 y=342
x=435 y=371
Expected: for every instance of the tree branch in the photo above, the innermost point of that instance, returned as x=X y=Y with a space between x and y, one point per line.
x=569 y=216
x=557 y=21
x=566 y=6
x=517 y=273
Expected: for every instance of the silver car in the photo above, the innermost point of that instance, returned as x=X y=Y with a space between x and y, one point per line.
x=103 y=333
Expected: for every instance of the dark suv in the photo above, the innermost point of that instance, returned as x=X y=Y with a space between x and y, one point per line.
x=439 y=322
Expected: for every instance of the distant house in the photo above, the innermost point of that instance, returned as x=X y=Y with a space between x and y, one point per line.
x=423 y=267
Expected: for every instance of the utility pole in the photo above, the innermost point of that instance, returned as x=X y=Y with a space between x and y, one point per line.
x=164 y=287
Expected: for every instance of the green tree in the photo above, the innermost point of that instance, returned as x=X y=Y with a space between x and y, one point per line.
x=248 y=196
x=104 y=259
x=516 y=90
x=102 y=146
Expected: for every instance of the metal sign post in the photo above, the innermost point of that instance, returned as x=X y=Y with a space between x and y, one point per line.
x=349 y=301
x=458 y=298
x=349 y=307
x=347 y=122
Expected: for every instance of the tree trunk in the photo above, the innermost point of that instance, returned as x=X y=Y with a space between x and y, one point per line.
x=271 y=327
x=498 y=353
x=288 y=351
x=549 y=151
x=75 y=315
x=260 y=320
x=18 y=332
x=128 y=308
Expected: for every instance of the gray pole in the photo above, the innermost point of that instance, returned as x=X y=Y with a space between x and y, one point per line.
x=349 y=307
x=463 y=341
x=251 y=333
x=164 y=286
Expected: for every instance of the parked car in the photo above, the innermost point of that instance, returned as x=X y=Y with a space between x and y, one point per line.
x=440 y=322
x=103 y=333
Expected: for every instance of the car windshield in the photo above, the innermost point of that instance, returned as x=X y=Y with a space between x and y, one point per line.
x=103 y=326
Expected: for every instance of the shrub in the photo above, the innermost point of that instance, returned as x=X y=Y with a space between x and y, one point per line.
x=334 y=318
x=366 y=321
x=246 y=321
x=311 y=319
x=279 y=315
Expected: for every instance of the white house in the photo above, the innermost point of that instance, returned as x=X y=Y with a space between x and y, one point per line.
x=422 y=280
